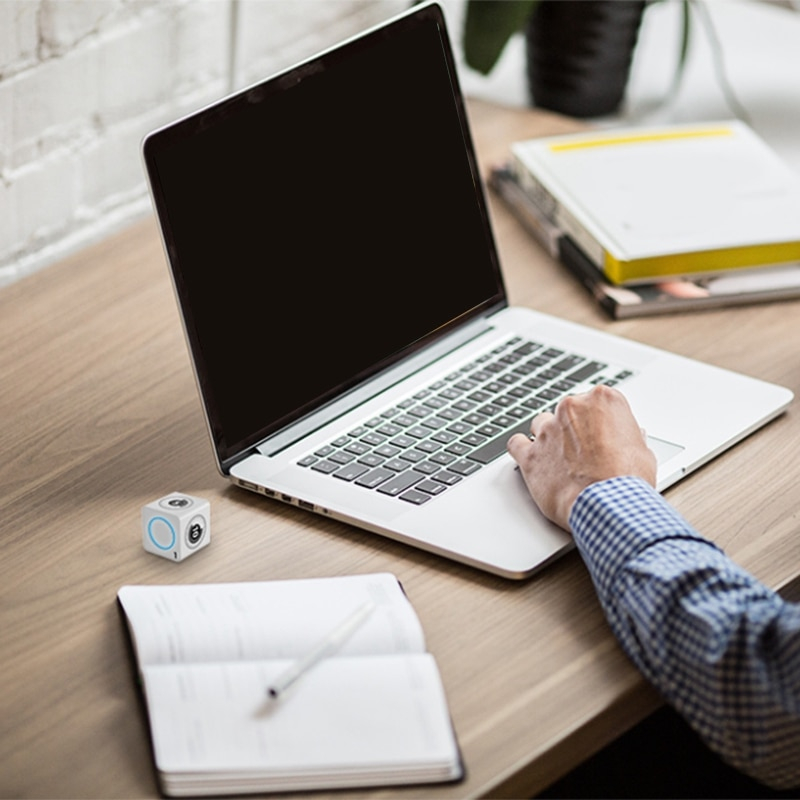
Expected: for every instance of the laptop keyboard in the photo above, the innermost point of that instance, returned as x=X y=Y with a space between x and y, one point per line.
x=419 y=447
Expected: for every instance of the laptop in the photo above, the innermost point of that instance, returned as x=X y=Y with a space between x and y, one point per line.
x=344 y=307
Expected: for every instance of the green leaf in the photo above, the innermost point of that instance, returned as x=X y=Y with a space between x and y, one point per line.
x=488 y=25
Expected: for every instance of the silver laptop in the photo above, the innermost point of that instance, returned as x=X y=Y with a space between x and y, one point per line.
x=345 y=312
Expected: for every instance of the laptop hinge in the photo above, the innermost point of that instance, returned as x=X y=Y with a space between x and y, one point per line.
x=376 y=384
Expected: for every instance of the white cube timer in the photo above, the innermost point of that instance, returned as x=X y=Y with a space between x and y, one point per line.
x=176 y=526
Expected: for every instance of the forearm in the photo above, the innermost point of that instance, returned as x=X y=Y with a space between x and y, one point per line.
x=723 y=649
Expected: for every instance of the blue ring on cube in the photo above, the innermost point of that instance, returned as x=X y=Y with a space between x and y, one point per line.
x=153 y=538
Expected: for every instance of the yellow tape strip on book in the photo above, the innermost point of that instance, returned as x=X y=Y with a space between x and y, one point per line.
x=638 y=138
x=752 y=256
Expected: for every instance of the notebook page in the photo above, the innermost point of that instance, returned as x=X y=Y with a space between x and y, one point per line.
x=266 y=620
x=384 y=713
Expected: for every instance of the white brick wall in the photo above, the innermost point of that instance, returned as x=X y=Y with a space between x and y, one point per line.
x=82 y=81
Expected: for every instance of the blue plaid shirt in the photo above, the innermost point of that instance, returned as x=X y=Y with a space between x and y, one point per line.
x=721 y=648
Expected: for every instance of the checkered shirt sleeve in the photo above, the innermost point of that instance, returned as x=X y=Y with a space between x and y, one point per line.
x=722 y=648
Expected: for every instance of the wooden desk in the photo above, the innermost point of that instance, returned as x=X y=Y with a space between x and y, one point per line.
x=100 y=416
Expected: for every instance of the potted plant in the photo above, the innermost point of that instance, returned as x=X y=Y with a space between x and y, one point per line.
x=578 y=51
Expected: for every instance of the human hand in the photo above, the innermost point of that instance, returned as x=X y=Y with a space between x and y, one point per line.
x=591 y=437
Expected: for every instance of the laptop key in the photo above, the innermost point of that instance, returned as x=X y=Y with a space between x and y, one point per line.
x=415 y=497
x=431 y=487
x=401 y=482
x=350 y=472
x=459 y=449
x=325 y=466
x=429 y=446
x=497 y=446
x=464 y=467
x=396 y=465
x=570 y=362
x=488 y=430
x=371 y=460
x=534 y=403
x=586 y=371
x=374 y=478
x=447 y=477
x=357 y=448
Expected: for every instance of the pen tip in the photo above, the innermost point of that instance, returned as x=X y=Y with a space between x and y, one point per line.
x=273 y=693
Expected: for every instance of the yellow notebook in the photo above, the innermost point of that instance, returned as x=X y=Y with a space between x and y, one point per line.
x=676 y=200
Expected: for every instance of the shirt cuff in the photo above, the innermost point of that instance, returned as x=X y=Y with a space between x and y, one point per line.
x=614 y=520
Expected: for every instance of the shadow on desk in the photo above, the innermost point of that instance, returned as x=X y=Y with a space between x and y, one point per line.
x=662 y=757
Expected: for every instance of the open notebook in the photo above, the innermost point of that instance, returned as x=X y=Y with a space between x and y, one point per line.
x=371 y=713
x=344 y=306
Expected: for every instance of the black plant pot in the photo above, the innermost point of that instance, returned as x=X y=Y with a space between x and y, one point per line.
x=579 y=54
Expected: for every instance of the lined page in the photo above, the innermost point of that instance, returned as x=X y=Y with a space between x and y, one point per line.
x=347 y=714
x=266 y=620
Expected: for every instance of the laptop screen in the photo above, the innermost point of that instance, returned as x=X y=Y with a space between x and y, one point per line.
x=323 y=225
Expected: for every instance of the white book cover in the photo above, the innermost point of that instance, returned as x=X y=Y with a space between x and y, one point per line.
x=667 y=200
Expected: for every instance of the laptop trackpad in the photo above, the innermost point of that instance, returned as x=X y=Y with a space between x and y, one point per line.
x=664 y=450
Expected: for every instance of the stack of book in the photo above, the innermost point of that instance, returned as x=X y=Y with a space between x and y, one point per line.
x=656 y=220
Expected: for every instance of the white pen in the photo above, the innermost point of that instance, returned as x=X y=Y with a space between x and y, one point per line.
x=332 y=642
